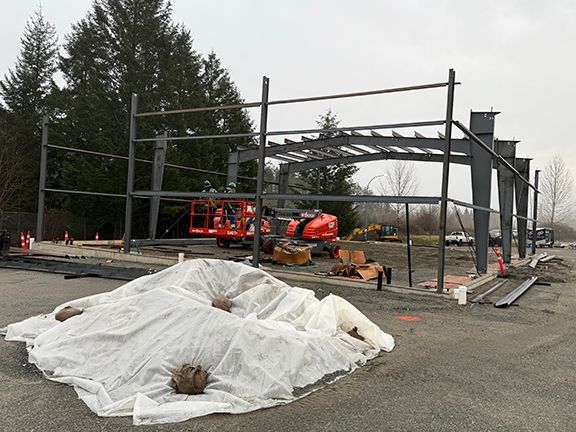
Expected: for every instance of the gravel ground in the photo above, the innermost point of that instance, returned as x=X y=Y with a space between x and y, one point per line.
x=460 y=368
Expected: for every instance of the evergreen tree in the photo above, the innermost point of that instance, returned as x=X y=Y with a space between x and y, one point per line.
x=332 y=180
x=25 y=92
x=132 y=46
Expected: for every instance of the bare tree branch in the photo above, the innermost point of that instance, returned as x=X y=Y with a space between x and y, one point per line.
x=556 y=185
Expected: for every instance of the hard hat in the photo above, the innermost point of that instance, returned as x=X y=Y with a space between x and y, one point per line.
x=232 y=184
x=207 y=184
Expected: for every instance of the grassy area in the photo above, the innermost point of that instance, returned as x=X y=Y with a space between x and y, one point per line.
x=422 y=240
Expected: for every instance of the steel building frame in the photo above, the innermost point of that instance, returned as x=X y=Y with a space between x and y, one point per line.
x=479 y=149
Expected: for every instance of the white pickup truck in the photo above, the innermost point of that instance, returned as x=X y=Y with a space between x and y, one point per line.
x=459 y=238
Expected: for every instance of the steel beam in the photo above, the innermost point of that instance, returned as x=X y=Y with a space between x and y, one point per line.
x=506 y=196
x=199 y=109
x=157 y=177
x=423 y=157
x=283 y=178
x=482 y=126
x=232 y=174
x=357 y=198
x=42 y=180
x=199 y=195
x=73 y=192
x=131 y=172
x=521 y=194
x=445 y=181
x=535 y=212
x=261 y=166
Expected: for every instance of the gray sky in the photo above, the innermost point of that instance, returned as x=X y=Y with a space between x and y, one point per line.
x=513 y=55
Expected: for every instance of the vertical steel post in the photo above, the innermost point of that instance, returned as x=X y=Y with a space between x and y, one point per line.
x=130 y=177
x=42 y=181
x=318 y=186
x=157 y=178
x=521 y=192
x=408 y=245
x=535 y=211
x=261 y=165
x=445 y=178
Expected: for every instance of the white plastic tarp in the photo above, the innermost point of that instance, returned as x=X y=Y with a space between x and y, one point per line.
x=277 y=344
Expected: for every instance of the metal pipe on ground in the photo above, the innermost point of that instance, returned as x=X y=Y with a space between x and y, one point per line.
x=514 y=295
x=480 y=297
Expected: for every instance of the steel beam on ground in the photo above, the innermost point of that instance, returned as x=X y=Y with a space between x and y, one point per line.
x=482 y=127
x=357 y=198
x=445 y=179
x=131 y=173
x=42 y=180
x=356 y=94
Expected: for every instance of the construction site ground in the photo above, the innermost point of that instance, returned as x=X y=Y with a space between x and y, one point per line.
x=454 y=368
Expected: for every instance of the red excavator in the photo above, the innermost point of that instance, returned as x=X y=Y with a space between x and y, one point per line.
x=232 y=222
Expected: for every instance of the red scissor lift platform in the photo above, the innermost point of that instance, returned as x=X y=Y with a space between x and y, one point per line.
x=228 y=221
x=232 y=221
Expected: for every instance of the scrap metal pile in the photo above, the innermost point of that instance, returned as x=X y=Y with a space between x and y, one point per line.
x=201 y=337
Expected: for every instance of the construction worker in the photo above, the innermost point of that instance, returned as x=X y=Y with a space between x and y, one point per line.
x=229 y=208
x=208 y=187
x=211 y=204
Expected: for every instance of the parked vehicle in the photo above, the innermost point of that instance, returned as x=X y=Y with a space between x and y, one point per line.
x=459 y=238
x=544 y=237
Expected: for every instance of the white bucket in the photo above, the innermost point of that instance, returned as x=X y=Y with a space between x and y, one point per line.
x=180 y=257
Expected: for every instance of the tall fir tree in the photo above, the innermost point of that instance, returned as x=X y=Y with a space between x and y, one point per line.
x=25 y=92
x=332 y=180
x=132 y=46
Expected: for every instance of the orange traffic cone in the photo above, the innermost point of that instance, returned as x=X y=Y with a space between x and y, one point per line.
x=66 y=237
x=97 y=237
x=27 y=240
x=22 y=240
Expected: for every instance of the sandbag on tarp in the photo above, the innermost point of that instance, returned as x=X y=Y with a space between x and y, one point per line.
x=276 y=344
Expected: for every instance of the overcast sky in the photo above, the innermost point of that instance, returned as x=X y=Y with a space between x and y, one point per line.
x=515 y=56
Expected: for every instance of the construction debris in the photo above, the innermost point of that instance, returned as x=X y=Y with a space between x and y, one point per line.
x=450 y=282
x=536 y=259
x=510 y=298
x=288 y=253
x=353 y=264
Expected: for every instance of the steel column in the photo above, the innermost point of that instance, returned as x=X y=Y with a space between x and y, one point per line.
x=506 y=196
x=445 y=178
x=408 y=245
x=482 y=125
x=42 y=181
x=261 y=166
x=130 y=177
x=157 y=178
x=283 y=179
x=535 y=212
x=521 y=192
x=232 y=175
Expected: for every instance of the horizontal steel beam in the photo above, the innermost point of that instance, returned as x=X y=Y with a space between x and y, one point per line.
x=503 y=161
x=357 y=198
x=169 y=165
x=369 y=127
x=472 y=206
x=525 y=218
x=422 y=157
x=199 y=109
x=197 y=137
x=356 y=94
x=73 y=192
x=177 y=194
